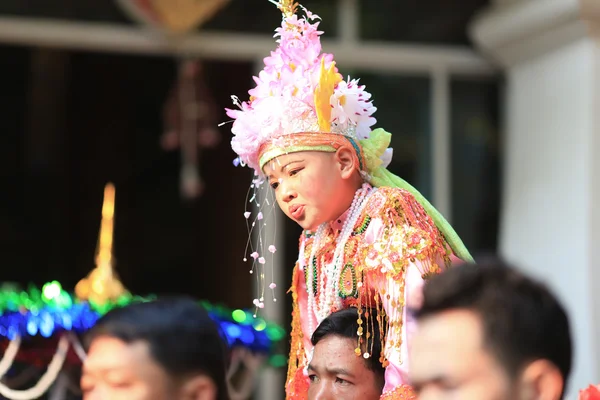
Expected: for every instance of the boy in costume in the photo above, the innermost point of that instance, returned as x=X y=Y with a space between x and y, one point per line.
x=370 y=239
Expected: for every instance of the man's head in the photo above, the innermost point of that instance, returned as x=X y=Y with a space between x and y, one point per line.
x=487 y=332
x=313 y=187
x=335 y=371
x=166 y=349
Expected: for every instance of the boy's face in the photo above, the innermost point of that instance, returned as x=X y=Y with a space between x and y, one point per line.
x=310 y=187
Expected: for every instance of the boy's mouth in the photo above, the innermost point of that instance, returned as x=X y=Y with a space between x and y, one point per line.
x=296 y=211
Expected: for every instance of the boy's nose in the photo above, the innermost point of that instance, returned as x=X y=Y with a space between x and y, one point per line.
x=289 y=193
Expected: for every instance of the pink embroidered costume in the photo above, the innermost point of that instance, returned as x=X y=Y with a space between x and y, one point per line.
x=378 y=253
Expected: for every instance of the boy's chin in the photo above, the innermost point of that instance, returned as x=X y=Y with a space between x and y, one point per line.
x=306 y=224
x=309 y=226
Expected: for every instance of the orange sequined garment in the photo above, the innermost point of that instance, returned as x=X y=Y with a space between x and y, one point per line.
x=394 y=246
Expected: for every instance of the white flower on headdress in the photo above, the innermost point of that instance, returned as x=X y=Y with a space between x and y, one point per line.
x=351 y=105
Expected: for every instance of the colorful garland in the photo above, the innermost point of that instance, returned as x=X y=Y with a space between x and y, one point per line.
x=41 y=313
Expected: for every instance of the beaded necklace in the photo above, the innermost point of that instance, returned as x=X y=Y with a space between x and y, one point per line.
x=330 y=274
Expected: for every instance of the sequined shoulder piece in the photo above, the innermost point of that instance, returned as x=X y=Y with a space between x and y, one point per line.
x=406 y=232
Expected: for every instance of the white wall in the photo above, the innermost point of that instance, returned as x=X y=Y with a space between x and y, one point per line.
x=551 y=182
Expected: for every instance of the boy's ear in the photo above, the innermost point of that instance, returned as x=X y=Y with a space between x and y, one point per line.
x=344 y=156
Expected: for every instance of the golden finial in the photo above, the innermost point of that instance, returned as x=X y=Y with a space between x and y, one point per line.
x=102 y=284
x=287 y=7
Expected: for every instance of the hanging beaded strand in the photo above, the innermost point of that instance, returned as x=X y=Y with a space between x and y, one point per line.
x=311 y=275
x=258 y=198
x=338 y=258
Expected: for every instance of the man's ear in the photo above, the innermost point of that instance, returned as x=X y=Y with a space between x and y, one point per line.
x=542 y=380
x=199 y=388
x=346 y=160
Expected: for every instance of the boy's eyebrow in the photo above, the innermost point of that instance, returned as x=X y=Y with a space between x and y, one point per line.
x=290 y=163
x=282 y=167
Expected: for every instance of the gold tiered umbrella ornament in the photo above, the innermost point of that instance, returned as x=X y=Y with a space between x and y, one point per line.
x=102 y=286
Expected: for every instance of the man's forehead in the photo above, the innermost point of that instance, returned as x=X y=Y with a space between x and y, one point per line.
x=334 y=352
x=108 y=352
x=459 y=327
x=451 y=340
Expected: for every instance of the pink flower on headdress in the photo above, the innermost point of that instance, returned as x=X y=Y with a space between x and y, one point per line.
x=243 y=107
x=275 y=61
x=309 y=15
x=298 y=41
x=267 y=83
x=245 y=135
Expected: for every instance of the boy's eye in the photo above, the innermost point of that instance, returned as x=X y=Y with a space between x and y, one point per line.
x=295 y=171
x=312 y=378
x=274 y=185
x=341 y=381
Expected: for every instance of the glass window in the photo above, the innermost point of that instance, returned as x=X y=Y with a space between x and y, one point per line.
x=404 y=109
x=476 y=163
x=89 y=10
x=432 y=22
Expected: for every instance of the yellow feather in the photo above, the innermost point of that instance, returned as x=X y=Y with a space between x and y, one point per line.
x=323 y=92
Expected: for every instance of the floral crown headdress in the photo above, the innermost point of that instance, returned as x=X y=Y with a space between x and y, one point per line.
x=300 y=101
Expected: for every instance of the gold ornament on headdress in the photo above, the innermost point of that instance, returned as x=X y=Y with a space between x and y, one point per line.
x=327 y=81
x=102 y=284
x=287 y=7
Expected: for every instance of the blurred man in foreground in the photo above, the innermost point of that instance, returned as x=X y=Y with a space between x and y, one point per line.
x=487 y=332
x=161 y=350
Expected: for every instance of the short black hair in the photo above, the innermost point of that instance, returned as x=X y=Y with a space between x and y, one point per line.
x=344 y=323
x=180 y=334
x=522 y=320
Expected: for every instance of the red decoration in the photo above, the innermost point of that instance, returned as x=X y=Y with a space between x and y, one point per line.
x=591 y=393
x=39 y=352
x=190 y=124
